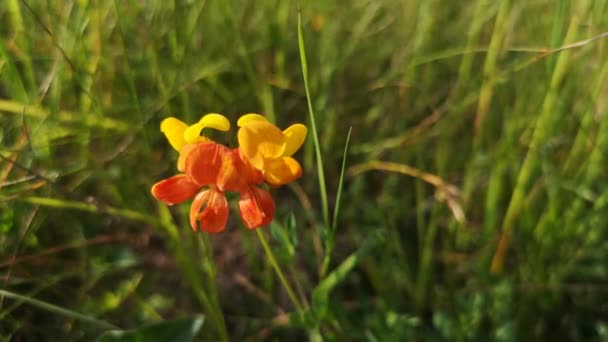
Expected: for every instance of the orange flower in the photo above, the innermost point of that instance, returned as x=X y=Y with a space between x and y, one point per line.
x=215 y=169
x=209 y=169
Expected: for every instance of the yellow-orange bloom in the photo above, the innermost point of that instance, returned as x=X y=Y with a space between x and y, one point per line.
x=269 y=149
x=209 y=169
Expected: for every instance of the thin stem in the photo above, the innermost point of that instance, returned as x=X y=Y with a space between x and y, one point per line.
x=277 y=269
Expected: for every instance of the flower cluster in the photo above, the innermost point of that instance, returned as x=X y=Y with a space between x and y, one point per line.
x=209 y=170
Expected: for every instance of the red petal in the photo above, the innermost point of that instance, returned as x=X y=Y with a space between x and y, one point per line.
x=250 y=174
x=209 y=163
x=175 y=189
x=203 y=162
x=256 y=207
x=229 y=177
x=215 y=216
x=198 y=202
x=183 y=153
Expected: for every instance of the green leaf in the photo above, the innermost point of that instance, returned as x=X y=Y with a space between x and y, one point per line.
x=178 y=330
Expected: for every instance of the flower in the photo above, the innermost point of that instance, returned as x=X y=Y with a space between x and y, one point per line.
x=269 y=149
x=209 y=170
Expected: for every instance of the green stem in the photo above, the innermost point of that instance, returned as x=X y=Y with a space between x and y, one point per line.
x=277 y=269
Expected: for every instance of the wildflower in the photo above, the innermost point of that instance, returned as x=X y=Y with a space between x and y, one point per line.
x=209 y=169
x=269 y=149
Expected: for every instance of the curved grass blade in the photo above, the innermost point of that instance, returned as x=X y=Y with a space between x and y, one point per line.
x=313 y=125
x=58 y=310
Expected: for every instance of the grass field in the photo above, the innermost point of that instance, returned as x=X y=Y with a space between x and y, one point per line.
x=456 y=189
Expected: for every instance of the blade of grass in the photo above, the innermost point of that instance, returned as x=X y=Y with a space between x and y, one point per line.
x=315 y=135
x=334 y=223
x=542 y=130
x=313 y=125
x=92 y=208
x=85 y=119
x=58 y=310
x=18 y=27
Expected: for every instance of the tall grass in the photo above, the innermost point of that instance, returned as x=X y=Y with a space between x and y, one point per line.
x=469 y=201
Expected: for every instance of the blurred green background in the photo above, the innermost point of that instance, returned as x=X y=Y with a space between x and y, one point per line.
x=474 y=202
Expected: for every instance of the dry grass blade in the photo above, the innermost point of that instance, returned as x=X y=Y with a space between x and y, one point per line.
x=448 y=193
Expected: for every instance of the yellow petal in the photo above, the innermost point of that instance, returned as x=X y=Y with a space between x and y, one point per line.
x=215 y=121
x=192 y=134
x=259 y=140
x=294 y=138
x=281 y=171
x=245 y=119
x=174 y=131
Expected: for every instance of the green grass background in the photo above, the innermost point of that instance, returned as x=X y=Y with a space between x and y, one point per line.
x=474 y=203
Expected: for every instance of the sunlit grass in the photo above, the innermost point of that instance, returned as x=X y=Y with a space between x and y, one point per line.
x=468 y=202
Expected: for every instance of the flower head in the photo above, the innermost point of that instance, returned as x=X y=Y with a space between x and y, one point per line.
x=209 y=169
x=269 y=149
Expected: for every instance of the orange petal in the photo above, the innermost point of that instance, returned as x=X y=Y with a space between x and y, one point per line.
x=215 y=216
x=175 y=189
x=281 y=171
x=183 y=153
x=198 y=202
x=203 y=162
x=249 y=174
x=256 y=207
x=229 y=178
